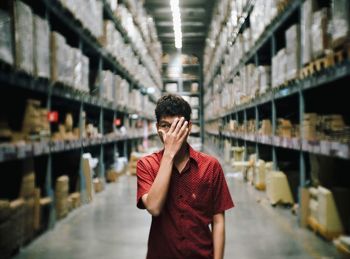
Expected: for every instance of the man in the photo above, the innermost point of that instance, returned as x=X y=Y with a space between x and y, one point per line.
x=184 y=190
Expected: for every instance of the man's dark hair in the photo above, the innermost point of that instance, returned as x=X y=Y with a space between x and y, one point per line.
x=172 y=105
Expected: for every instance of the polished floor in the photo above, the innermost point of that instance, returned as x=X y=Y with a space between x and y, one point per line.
x=112 y=227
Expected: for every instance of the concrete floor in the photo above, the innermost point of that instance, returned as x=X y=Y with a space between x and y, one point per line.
x=112 y=227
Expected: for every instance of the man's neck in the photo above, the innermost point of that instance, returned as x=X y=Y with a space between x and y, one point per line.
x=183 y=154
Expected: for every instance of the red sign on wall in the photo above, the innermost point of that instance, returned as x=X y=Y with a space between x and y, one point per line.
x=117 y=122
x=52 y=116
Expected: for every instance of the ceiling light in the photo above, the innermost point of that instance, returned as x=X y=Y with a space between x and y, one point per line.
x=175 y=9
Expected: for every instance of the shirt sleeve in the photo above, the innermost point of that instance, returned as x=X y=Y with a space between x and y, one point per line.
x=144 y=181
x=222 y=196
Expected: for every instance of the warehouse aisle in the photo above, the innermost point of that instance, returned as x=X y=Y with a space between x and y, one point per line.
x=112 y=227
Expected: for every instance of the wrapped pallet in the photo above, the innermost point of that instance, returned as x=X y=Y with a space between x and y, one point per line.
x=319 y=34
x=23 y=36
x=6 y=46
x=293 y=52
x=341 y=22
x=85 y=74
x=308 y=7
x=265 y=79
x=41 y=47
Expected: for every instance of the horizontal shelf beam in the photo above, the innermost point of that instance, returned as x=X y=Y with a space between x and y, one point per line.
x=322 y=147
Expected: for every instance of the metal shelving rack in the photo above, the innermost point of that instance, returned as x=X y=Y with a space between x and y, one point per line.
x=50 y=91
x=297 y=89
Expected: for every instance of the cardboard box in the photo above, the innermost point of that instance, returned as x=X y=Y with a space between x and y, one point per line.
x=6 y=45
x=23 y=36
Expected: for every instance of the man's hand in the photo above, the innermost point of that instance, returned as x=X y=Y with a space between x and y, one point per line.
x=174 y=138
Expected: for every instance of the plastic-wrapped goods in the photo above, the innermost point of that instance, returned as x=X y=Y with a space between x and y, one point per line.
x=250 y=88
x=265 y=78
x=41 y=47
x=293 y=52
x=341 y=21
x=58 y=56
x=23 y=36
x=247 y=40
x=107 y=85
x=319 y=35
x=279 y=68
x=85 y=73
x=77 y=70
x=6 y=51
x=308 y=7
x=68 y=75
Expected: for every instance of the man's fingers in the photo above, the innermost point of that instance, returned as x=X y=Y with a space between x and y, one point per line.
x=173 y=125
x=183 y=129
x=179 y=125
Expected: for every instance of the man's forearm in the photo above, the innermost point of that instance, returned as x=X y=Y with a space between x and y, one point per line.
x=219 y=236
x=155 y=199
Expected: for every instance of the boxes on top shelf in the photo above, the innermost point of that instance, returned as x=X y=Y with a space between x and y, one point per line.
x=308 y=7
x=320 y=40
x=292 y=52
x=340 y=22
x=6 y=45
x=23 y=36
x=41 y=47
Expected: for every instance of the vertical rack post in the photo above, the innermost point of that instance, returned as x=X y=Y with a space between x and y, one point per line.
x=48 y=179
x=256 y=110
x=273 y=106
x=101 y=120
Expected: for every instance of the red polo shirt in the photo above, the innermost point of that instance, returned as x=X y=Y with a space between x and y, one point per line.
x=194 y=197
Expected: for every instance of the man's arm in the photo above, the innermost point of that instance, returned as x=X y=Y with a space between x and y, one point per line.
x=154 y=200
x=219 y=235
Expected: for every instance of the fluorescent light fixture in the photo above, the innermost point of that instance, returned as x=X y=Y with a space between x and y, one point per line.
x=175 y=9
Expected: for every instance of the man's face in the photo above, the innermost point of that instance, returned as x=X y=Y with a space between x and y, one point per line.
x=164 y=125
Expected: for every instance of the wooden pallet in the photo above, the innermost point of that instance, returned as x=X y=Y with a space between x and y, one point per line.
x=318 y=229
x=306 y=71
x=324 y=62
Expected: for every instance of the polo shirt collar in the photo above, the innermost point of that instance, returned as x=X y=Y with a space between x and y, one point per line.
x=193 y=153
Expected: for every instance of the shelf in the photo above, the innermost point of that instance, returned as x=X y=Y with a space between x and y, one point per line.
x=9 y=151
x=168 y=80
x=91 y=46
x=324 y=77
x=124 y=33
x=188 y=93
x=322 y=147
x=41 y=85
x=247 y=10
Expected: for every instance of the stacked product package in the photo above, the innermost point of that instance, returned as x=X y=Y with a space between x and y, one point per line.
x=23 y=36
x=341 y=22
x=121 y=92
x=61 y=196
x=41 y=47
x=308 y=7
x=68 y=65
x=89 y=13
x=320 y=40
x=279 y=68
x=6 y=46
x=107 y=84
x=292 y=52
